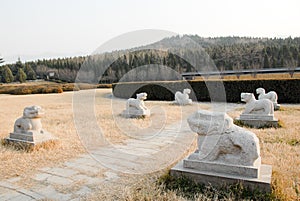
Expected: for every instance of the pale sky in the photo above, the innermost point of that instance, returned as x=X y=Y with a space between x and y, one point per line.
x=35 y=29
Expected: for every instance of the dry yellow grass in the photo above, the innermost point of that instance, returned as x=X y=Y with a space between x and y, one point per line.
x=279 y=147
x=58 y=120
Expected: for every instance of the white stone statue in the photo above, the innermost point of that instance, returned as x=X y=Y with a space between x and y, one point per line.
x=28 y=128
x=183 y=98
x=136 y=107
x=257 y=113
x=30 y=121
x=257 y=107
x=272 y=96
x=220 y=141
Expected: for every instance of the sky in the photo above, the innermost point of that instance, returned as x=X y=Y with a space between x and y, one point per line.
x=36 y=29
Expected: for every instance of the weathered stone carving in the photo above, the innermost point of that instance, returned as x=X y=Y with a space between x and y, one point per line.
x=136 y=107
x=28 y=128
x=272 y=96
x=30 y=121
x=257 y=113
x=227 y=154
x=253 y=106
x=183 y=98
x=220 y=141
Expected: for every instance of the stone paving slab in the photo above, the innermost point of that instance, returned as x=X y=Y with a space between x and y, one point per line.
x=89 y=181
x=62 y=172
x=42 y=176
x=84 y=160
x=31 y=194
x=83 y=191
x=120 y=153
x=50 y=193
x=9 y=195
x=59 y=180
x=87 y=169
x=22 y=197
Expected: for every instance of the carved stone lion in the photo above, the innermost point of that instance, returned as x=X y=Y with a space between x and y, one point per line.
x=183 y=98
x=136 y=107
x=220 y=141
x=30 y=121
x=271 y=95
x=253 y=106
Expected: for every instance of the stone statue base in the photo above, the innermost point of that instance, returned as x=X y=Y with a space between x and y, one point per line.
x=217 y=174
x=245 y=171
x=257 y=117
x=258 y=121
x=133 y=113
x=31 y=138
x=276 y=106
x=135 y=108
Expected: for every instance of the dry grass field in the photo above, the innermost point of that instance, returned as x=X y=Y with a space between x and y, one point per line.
x=45 y=87
x=58 y=120
x=279 y=147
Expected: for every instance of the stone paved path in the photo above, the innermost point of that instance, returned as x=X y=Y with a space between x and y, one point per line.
x=77 y=177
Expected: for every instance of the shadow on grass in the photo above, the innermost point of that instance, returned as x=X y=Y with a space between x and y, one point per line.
x=27 y=147
x=191 y=190
x=242 y=124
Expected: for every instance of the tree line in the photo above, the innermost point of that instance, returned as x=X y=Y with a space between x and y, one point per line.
x=146 y=63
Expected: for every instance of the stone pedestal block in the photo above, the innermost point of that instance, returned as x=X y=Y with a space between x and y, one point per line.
x=211 y=177
x=259 y=123
x=32 y=138
x=28 y=129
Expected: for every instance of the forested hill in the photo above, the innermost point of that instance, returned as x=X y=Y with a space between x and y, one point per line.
x=181 y=53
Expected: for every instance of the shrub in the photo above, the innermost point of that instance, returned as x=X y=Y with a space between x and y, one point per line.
x=156 y=90
x=21 y=75
x=104 y=86
x=287 y=89
x=21 y=91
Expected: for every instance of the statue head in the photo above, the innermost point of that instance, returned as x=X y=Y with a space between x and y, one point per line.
x=33 y=112
x=141 y=96
x=186 y=91
x=206 y=122
x=260 y=90
x=245 y=97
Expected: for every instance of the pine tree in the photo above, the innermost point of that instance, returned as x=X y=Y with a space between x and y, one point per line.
x=19 y=63
x=1 y=60
x=266 y=62
x=29 y=72
x=7 y=75
x=21 y=76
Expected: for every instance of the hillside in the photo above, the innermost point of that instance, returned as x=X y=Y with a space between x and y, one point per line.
x=180 y=53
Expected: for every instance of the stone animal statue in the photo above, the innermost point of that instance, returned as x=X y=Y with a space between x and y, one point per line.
x=272 y=95
x=137 y=103
x=183 y=98
x=136 y=107
x=221 y=141
x=253 y=106
x=30 y=121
